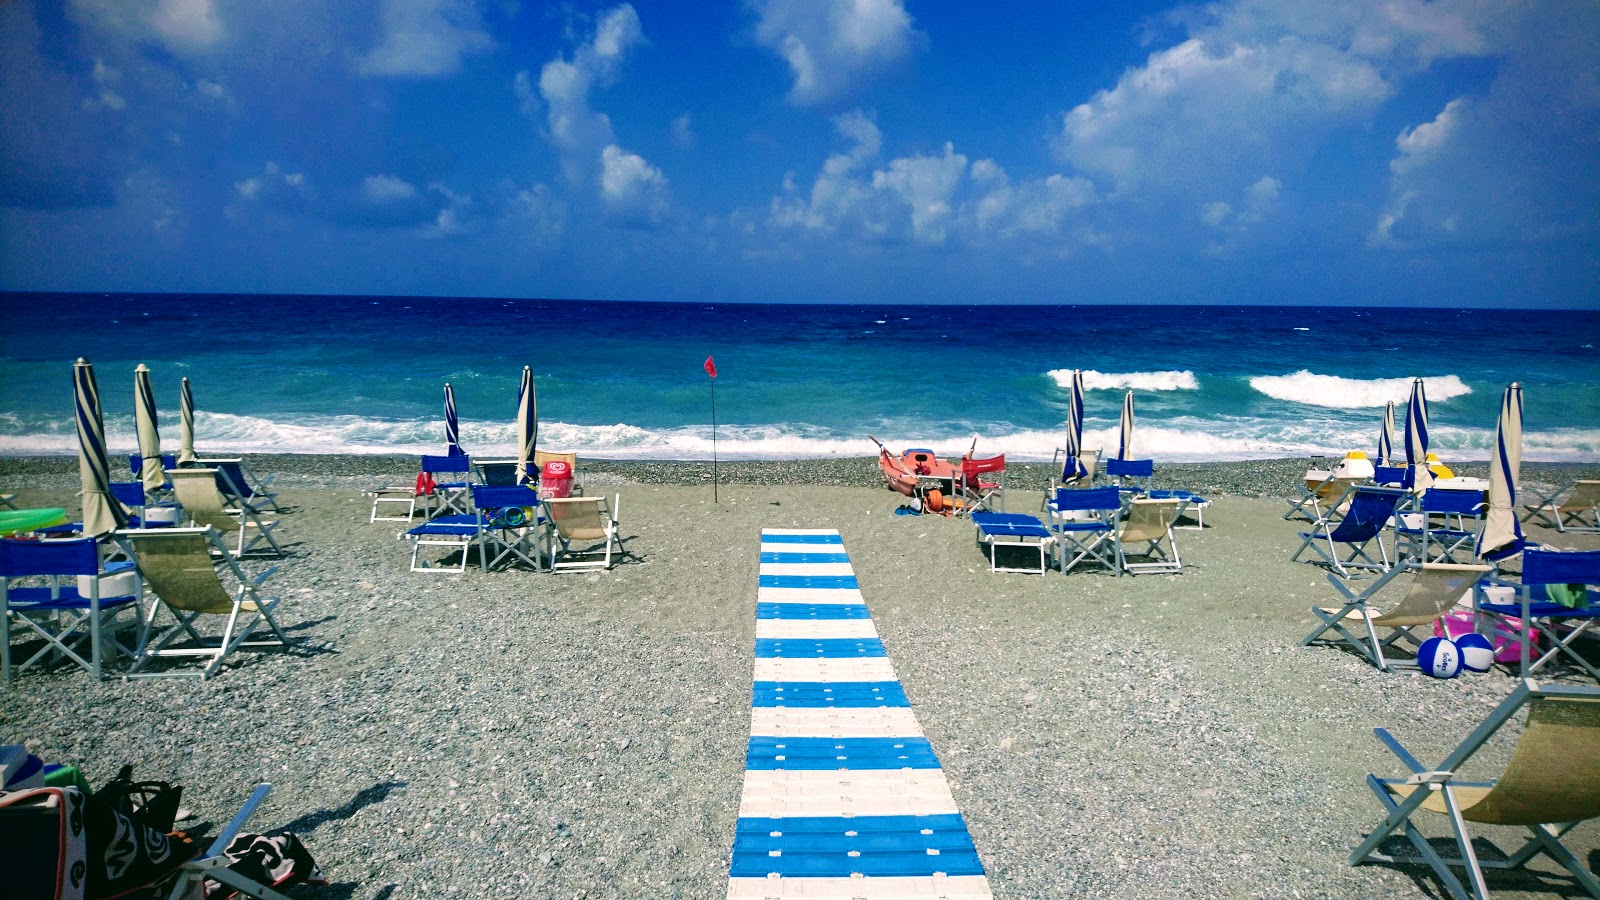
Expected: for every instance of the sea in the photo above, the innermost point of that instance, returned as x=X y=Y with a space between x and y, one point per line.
x=627 y=380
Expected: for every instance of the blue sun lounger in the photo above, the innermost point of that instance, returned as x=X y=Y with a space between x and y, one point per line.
x=1013 y=530
x=1367 y=513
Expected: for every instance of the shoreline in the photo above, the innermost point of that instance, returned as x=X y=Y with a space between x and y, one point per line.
x=1241 y=478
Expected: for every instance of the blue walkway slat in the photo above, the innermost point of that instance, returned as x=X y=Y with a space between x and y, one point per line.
x=828 y=754
x=828 y=648
x=816 y=582
x=828 y=694
x=906 y=864
x=819 y=611
x=772 y=556
x=768 y=537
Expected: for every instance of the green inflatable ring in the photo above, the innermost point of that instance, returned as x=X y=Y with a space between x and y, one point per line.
x=18 y=521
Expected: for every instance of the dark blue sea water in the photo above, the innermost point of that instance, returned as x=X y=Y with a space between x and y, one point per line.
x=624 y=380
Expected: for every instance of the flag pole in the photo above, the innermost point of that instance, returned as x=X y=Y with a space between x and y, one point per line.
x=711 y=370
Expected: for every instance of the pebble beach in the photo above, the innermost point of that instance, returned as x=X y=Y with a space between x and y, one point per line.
x=512 y=733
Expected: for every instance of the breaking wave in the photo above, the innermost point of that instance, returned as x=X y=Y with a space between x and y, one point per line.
x=1335 y=392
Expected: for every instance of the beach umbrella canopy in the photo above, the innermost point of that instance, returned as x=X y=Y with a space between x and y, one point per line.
x=452 y=426
x=1125 y=448
x=1502 y=533
x=101 y=514
x=144 y=417
x=1417 y=437
x=527 y=429
x=186 y=455
x=1074 y=466
x=1386 y=436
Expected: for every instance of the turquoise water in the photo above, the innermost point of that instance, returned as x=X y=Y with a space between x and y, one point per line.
x=624 y=380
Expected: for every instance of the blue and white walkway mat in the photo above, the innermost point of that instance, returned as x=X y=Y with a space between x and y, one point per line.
x=843 y=796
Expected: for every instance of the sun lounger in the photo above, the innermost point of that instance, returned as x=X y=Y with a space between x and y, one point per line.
x=1357 y=522
x=1550 y=784
x=1146 y=528
x=583 y=532
x=1435 y=590
x=1574 y=507
x=202 y=500
x=1013 y=530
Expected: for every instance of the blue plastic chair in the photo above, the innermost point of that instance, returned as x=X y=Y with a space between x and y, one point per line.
x=1083 y=521
x=1459 y=514
x=1366 y=513
x=56 y=611
x=452 y=476
x=1541 y=615
x=1132 y=475
x=500 y=520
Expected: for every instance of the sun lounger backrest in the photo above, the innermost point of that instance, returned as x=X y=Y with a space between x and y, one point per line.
x=1149 y=520
x=1369 y=512
x=1130 y=468
x=540 y=457
x=198 y=495
x=1436 y=589
x=579 y=518
x=73 y=557
x=1452 y=501
x=176 y=565
x=1554 y=773
x=1585 y=495
x=1561 y=567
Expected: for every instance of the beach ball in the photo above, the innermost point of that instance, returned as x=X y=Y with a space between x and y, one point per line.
x=1438 y=657
x=1476 y=652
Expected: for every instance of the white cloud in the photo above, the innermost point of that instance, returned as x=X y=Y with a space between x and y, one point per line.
x=634 y=192
x=683 y=131
x=387 y=189
x=423 y=38
x=1252 y=206
x=106 y=80
x=831 y=46
x=922 y=198
x=579 y=132
x=1420 y=144
x=192 y=24
x=1204 y=109
x=1420 y=149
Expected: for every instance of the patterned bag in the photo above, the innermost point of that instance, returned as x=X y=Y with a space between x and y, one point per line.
x=280 y=861
x=95 y=852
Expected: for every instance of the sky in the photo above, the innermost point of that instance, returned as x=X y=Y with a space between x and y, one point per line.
x=1393 y=152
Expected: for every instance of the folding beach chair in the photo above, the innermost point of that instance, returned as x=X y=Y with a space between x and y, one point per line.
x=169 y=461
x=240 y=486
x=9 y=501
x=1392 y=476
x=213 y=864
x=177 y=565
x=976 y=493
x=1443 y=525
x=1367 y=511
x=141 y=511
x=1551 y=784
x=200 y=497
x=61 y=592
x=1014 y=530
x=452 y=477
x=1434 y=591
x=1189 y=500
x=509 y=522
x=587 y=522
x=1577 y=509
x=1573 y=572
x=1083 y=521
x=1146 y=528
x=1318 y=500
x=497 y=473
x=1061 y=478
x=1131 y=476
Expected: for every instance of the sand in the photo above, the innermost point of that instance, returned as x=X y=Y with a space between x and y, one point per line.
x=582 y=735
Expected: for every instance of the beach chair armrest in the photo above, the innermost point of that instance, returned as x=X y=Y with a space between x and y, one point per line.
x=1434 y=777
x=1399 y=750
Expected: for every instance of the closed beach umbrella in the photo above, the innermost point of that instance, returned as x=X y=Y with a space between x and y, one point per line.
x=144 y=417
x=1125 y=449
x=1386 y=436
x=452 y=427
x=1417 y=437
x=186 y=455
x=527 y=429
x=1074 y=467
x=101 y=514
x=1502 y=533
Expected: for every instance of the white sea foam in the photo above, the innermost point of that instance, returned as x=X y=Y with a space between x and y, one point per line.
x=1335 y=392
x=1138 y=381
x=1182 y=439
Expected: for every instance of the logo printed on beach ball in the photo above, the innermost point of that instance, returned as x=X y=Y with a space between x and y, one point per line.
x=1439 y=657
x=1476 y=652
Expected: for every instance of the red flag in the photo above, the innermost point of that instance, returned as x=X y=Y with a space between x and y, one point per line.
x=711 y=367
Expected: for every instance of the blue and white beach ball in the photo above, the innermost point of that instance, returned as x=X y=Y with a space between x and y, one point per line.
x=1438 y=657
x=1476 y=652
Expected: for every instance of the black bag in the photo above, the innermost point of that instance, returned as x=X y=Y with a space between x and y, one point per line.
x=153 y=804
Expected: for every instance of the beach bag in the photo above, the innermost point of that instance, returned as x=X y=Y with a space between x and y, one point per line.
x=556 y=479
x=1458 y=622
x=153 y=804
x=280 y=861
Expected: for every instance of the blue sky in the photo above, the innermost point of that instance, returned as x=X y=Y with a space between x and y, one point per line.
x=1274 y=151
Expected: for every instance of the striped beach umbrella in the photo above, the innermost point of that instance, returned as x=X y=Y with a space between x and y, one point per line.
x=452 y=426
x=1502 y=533
x=101 y=514
x=1417 y=437
x=186 y=455
x=527 y=429
x=1386 y=436
x=1125 y=448
x=1074 y=468
x=144 y=417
